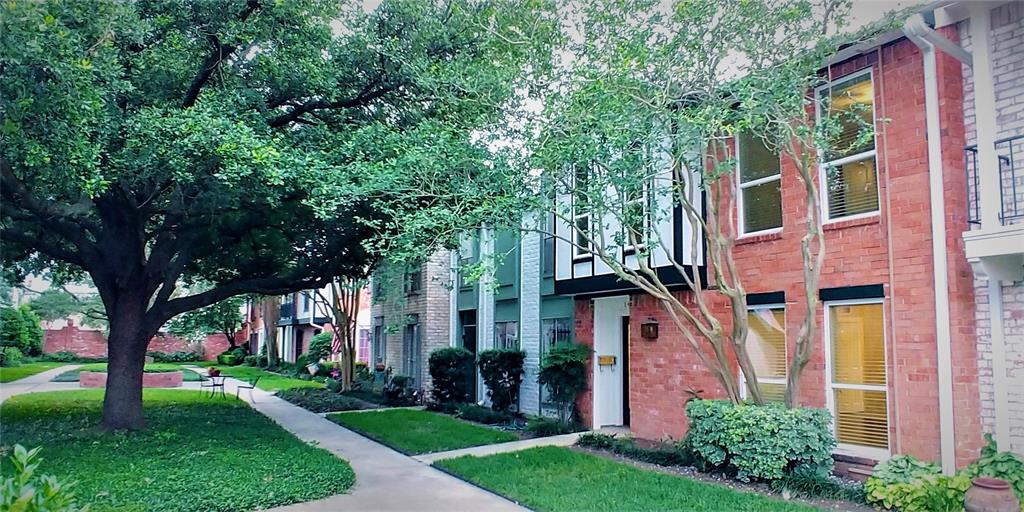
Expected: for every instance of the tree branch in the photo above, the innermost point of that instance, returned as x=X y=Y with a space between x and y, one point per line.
x=213 y=60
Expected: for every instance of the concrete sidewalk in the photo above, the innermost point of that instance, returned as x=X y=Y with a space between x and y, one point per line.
x=490 y=449
x=38 y=382
x=385 y=479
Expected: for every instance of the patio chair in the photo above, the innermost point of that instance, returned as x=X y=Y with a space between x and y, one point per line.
x=250 y=385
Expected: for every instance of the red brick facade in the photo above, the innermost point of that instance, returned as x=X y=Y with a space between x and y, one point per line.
x=92 y=343
x=892 y=248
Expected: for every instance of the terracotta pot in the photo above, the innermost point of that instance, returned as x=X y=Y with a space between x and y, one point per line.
x=990 y=495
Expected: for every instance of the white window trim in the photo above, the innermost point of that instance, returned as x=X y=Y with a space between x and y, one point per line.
x=872 y=153
x=579 y=253
x=648 y=227
x=741 y=220
x=850 y=449
x=785 y=346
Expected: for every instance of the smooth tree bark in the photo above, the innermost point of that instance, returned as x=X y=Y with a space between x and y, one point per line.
x=344 y=301
x=271 y=316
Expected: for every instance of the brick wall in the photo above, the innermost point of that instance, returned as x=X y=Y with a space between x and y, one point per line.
x=431 y=305
x=1008 y=68
x=93 y=343
x=892 y=249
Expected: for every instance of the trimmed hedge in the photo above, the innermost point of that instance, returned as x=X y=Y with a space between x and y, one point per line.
x=451 y=371
x=502 y=372
x=760 y=442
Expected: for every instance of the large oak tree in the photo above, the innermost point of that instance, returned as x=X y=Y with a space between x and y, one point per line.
x=261 y=146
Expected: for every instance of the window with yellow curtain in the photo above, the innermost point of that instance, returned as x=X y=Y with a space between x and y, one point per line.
x=857 y=381
x=766 y=345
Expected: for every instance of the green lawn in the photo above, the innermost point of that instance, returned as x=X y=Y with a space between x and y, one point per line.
x=269 y=381
x=26 y=370
x=186 y=374
x=415 y=432
x=559 y=479
x=197 y=454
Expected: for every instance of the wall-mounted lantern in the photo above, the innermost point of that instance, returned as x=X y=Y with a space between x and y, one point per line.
x=649 y=329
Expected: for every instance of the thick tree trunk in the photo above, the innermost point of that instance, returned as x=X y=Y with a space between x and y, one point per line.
x=126 y=357
x=271 y=315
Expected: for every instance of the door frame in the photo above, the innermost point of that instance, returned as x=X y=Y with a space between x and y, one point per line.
x=608 y=381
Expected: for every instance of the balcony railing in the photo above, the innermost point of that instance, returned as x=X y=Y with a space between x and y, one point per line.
x=1010 y=153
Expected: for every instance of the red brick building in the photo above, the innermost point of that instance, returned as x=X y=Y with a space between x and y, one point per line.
x=896 y=358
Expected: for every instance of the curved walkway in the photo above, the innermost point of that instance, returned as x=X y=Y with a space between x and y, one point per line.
x=385 y=479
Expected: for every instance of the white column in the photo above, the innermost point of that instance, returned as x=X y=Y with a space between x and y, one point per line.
x=485 y=306
x=529 y=316
x=989 y=197
x=1000 y=393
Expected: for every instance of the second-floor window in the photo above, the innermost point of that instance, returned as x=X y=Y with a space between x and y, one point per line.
x=849 y=168
x=548 y=246
x=413 y=282
x=581 y=213
x=759 y=200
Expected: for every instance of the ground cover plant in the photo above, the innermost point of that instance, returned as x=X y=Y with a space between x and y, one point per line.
x=321 y=400
x=416 y=432
x=26 y=370
x=186 y=374
x=552 y=479
x=269 y=381
x=197 y=454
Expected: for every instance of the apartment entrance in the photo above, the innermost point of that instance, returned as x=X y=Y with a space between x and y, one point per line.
x=467 y=321
x=611 y=361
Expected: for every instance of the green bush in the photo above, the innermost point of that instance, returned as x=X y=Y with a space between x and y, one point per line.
x=10 y=356
x=174 y=357
x=907 y=484
x=320 y=347
x=398 y=391
x=1002 y=465
x=319 y=400
x=473 y=412
x=563 y=372
x=543 y=427
x=24 y=491
x=229 y=359
x=251 y=360
x=333 y=385
x=667 y=454
x=817 y=486
x=451 y=371
x=20 y=327
x=502 y=372
x=760 y=442
x=71 y=357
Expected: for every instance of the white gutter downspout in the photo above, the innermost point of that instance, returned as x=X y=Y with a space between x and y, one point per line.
x=925 y=38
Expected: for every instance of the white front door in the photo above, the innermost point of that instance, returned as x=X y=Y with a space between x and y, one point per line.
x=608 y=364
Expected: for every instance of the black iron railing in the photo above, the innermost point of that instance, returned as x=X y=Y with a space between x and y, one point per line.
x=1010 y=153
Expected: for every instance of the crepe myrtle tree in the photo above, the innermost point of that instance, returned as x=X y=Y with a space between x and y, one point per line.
x=259 y=146
x=641 y=123
x=341 y=302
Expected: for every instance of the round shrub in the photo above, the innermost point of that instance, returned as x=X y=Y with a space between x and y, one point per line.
x=451 y=370
x=10 y=356
x=250 y=360
x=229 y=359
x=563 y=371
x=21 y=328
x=320 y=347
x=907 y=484
x=760 y=442
x=473 y=412
x=502 y=372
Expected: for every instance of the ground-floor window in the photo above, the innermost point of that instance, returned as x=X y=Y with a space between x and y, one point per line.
x=363 y=349
x=411 y=348
x=379 y=340
x=766 y=345
x=506 y=335
x=857 y=393
x=553 y=331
